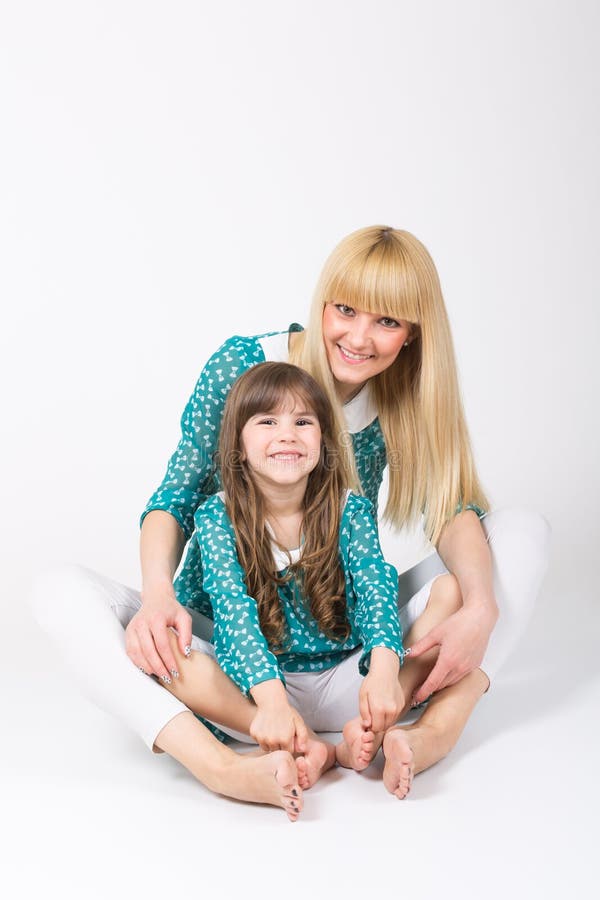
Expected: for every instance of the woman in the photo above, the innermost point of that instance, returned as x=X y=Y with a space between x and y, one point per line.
x=379 y=343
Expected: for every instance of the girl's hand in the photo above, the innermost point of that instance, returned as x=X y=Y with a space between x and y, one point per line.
x=380 y=701
x=279 y=727
x=146 y=636
x=462 y=639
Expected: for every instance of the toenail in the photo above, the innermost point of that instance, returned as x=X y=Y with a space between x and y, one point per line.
x=294 y=792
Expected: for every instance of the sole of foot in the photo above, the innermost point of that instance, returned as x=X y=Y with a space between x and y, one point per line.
x=398 y=771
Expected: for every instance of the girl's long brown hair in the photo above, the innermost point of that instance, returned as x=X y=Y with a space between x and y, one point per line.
x=318 y=573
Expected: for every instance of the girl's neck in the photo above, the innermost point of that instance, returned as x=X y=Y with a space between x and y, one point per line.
x=284 y=501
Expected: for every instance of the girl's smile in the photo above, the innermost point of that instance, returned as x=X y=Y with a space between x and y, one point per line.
x=360 y=345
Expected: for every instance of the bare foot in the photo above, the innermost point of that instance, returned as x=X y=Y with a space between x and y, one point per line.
x=272 y=778
x=399 y=762
x=358 y=748
x=318 y=757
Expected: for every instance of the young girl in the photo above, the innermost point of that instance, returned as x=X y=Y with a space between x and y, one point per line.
x=303 y=602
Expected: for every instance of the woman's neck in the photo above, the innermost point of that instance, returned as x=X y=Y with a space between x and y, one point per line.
x=347 y=392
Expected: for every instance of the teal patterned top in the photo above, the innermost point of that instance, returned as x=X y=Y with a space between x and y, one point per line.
x=191 y=475
x=242 y=650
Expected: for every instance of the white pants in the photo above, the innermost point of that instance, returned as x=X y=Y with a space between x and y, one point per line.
x=79 y=608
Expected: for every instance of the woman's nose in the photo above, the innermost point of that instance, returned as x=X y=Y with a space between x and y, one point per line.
x=359 y=333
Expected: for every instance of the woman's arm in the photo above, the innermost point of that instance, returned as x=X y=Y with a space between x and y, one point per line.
x=464 y=636
x=161 y=545
x=168 y=520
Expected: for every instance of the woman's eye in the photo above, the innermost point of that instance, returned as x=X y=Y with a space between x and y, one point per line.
x=389 y=323
x=345 y=310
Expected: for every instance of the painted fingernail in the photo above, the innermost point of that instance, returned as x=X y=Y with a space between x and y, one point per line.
x=187 y=649
x=294 y=792
x=174 y=673
x=408 y=651
x=142 y=670
x=166 y=679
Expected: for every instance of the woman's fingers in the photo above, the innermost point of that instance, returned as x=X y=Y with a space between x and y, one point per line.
x=134 y=652
x=155 y=662
x=431 y=639
x=433 y=681
x=183 y=626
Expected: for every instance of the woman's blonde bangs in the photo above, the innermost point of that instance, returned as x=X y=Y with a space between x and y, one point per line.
x=373 y=270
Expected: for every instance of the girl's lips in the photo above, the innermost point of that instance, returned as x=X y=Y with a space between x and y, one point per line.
x=352 y=360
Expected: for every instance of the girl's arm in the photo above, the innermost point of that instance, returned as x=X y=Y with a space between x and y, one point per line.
x=464 y=636
x=241 y=648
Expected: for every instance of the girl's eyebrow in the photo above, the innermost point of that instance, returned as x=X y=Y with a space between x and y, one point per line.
x=280 y=411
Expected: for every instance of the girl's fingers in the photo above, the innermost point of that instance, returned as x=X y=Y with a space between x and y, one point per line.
x=364 y=710
x=301 y=735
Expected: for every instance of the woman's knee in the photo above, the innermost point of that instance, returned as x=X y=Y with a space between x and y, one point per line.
x=445 y=596
x=519 y=524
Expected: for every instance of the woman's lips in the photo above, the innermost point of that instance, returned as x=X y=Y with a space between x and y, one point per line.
x=353 y=359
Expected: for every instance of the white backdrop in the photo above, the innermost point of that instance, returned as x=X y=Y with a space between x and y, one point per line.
x=173 y=173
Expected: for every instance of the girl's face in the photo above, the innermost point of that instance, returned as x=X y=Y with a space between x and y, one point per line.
x=282 y=447
x=360 y=345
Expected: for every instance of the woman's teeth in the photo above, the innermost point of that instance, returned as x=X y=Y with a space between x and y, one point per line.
x=353 y=355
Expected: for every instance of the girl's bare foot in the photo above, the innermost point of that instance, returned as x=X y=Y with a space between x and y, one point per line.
x=318 y=757
x=272 y=778
x=399 y=762
x=358 y=748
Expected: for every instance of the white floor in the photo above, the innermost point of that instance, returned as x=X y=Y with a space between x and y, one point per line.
x=88 y=812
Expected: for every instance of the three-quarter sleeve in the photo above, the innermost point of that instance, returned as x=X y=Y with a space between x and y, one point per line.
x=374 y=582
x=241 y=648
x=191 y=475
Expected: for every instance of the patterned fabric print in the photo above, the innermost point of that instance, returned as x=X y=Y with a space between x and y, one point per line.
x=241 y=648
x=369 y=452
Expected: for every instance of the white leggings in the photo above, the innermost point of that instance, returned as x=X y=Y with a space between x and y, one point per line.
x=86 y=615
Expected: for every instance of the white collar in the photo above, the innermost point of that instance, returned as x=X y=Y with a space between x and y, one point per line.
x=361 y=410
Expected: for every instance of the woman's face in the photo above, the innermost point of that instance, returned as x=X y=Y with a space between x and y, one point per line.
x=360 y=345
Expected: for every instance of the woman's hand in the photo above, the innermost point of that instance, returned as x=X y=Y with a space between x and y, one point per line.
x=279 y=728
x=381 y=699
x=146 y=636
x=462 y=639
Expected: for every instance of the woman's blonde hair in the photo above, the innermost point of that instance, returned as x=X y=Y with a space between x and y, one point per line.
x=264 y=389
x=431 y=469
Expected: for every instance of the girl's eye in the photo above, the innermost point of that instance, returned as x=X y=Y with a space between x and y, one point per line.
x=266 y=421
x=389 y=323
x=304 y=422
x=344 y=310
